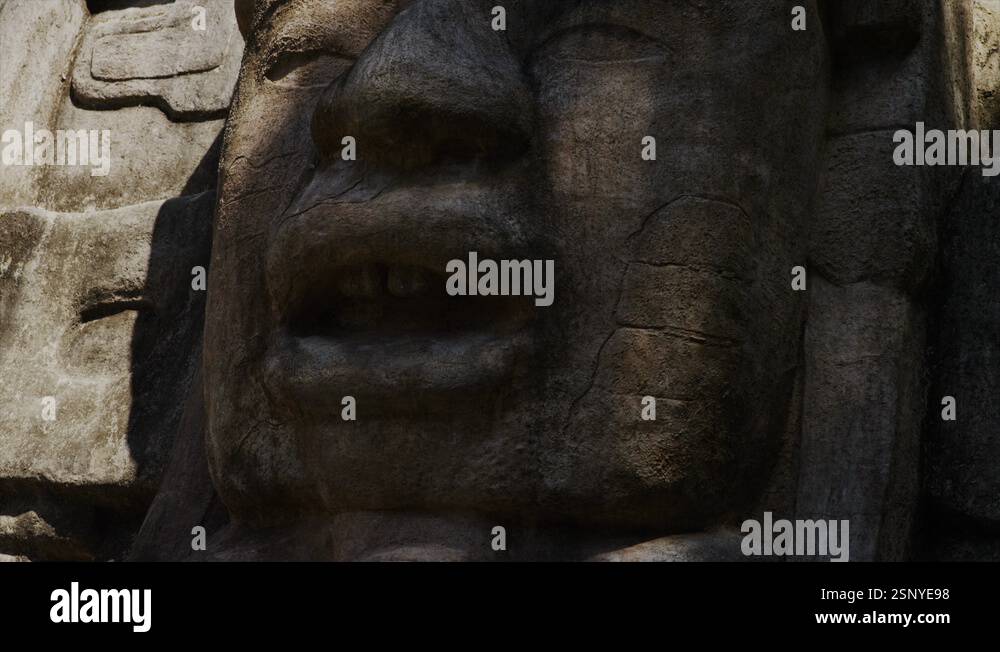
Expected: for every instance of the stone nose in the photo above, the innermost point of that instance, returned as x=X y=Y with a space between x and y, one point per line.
x=437 y=87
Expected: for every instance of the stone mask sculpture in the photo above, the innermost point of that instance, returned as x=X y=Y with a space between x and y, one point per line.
x=672 y=275
x=672 y=167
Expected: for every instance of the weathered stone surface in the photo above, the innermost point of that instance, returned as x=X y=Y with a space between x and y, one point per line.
x=36 y=41
x=99 y=325
x=874 y=222
x=962 y=473
x=151 y=155
x=863 y=406
x=187 y=499
x=151 y=158
x=986 y=64
x=96 y=305
x=155 y=55
x=872 y=246
x=774 y=150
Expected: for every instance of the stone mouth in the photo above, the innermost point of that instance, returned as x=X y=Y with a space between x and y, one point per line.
x=361 y=307
x=381 y=300
x=378 y=340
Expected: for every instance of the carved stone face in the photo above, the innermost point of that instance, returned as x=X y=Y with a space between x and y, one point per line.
x=672 y=276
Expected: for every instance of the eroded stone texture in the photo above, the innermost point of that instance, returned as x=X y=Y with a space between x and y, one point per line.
x=156 y=56
x=986 y=63
x=37 y=40
x=164 y=128
x=538 y=157
x=99 y=324
x=962 y=479
x=672 y=280
x=872 y=245
x=757 y=409
x=98 y=311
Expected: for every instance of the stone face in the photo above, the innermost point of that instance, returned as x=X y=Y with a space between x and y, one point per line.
x=455 y=129
x=672 y=281
x=691 y=308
